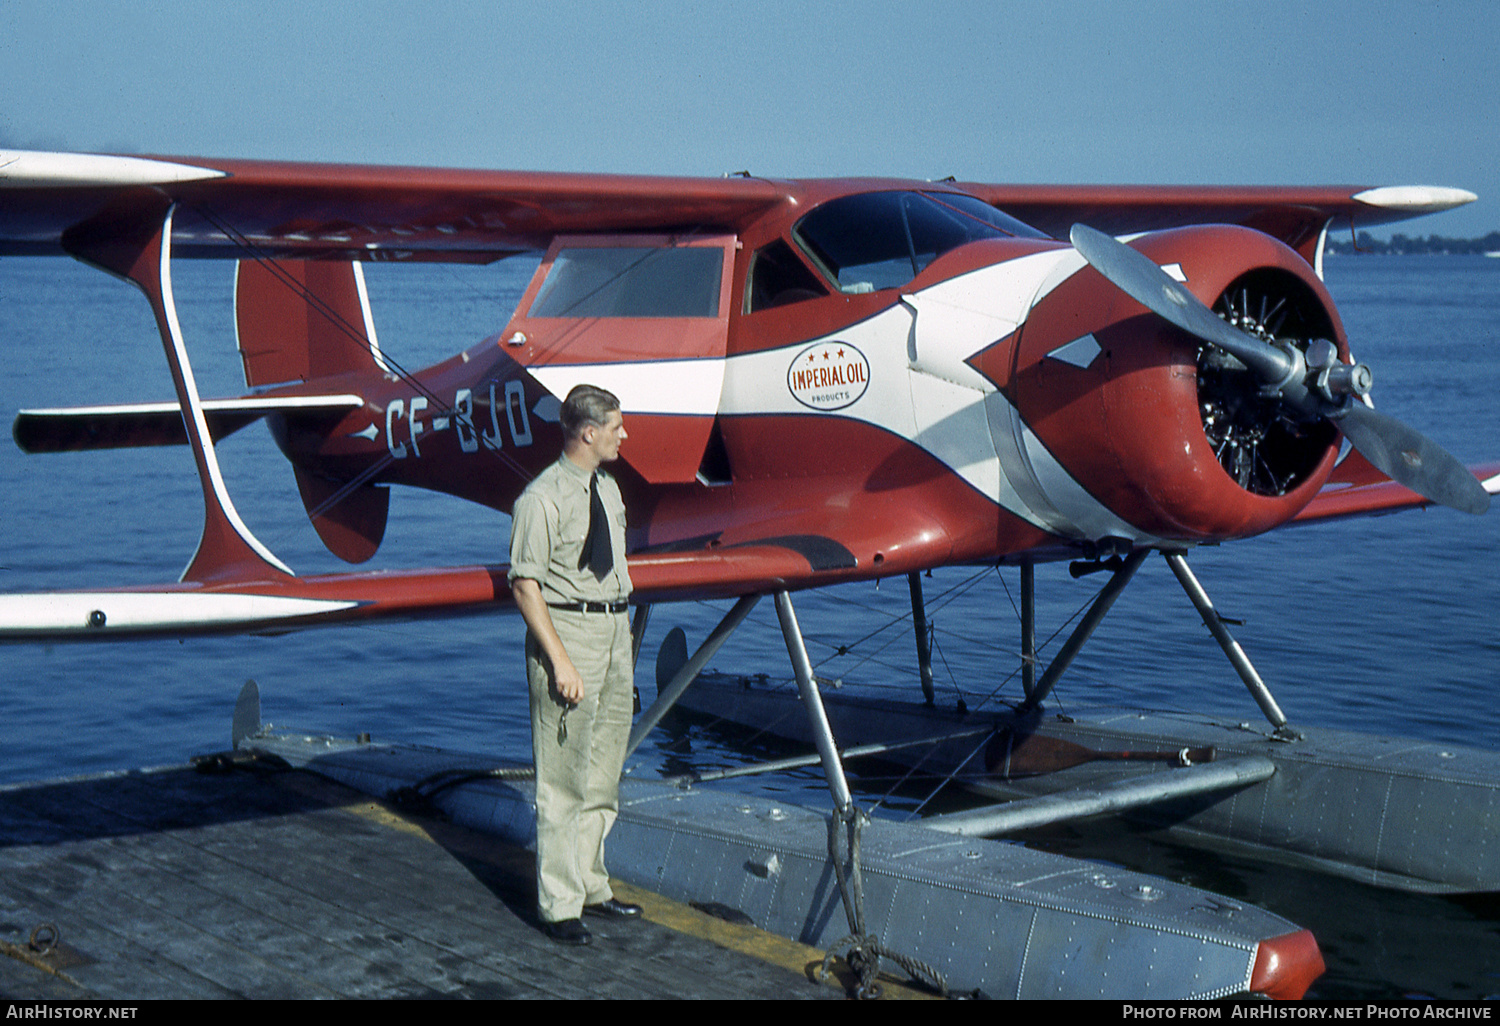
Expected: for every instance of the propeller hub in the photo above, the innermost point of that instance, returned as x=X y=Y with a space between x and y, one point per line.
x=1342 y=380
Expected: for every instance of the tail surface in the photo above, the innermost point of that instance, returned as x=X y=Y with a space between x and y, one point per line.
x=302 y=319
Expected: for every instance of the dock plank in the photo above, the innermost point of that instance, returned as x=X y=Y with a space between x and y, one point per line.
x=176 y=884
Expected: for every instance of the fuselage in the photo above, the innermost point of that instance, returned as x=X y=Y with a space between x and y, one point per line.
x=882 y=376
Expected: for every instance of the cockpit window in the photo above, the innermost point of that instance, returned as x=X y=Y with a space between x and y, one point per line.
x=882 y=240
x=632 y=281
x=778 y=278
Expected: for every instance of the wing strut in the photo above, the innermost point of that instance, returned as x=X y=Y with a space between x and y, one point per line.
x=1124 y=570
x=1085 y=630
x=1237 y=658
x=133 y=239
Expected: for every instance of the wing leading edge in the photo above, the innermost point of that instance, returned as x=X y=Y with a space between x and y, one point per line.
x=1296 y=215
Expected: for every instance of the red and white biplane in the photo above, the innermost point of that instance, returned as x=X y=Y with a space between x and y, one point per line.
x=824 y=380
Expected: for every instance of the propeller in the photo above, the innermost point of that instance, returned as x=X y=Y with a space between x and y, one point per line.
x=1314 y=383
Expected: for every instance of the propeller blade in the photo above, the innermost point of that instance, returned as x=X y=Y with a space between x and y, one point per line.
x=1410 y=458
x=1136 y=275
x=1403 y=454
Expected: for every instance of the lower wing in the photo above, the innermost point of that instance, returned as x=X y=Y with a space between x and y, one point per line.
x=1357 y=489
x=279 y=604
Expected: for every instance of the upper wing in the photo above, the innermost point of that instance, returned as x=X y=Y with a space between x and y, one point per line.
x=350 y=212
x=364 y=212
x=1297 y=215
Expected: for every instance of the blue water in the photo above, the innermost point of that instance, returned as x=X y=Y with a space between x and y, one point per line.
x=1383 y=625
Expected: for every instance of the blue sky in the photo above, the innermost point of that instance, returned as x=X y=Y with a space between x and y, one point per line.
x=1058 y=91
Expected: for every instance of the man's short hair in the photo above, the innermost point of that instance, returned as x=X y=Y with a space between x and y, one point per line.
x=585 y=405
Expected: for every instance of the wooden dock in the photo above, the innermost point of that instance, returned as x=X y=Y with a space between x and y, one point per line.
x=254 y=882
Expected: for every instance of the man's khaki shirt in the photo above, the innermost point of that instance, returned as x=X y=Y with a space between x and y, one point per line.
x=549 y=526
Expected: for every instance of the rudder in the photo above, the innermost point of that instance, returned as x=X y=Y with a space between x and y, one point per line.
x=302 y=319
x=298 y=320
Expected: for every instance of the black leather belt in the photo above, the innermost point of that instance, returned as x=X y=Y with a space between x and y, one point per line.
x=591 y=607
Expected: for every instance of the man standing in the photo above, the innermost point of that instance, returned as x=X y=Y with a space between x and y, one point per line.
x=570 y=582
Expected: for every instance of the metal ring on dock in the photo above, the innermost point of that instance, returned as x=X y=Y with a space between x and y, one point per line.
x=45 y=938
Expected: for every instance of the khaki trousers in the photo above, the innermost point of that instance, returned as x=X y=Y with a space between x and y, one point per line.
x=578 y=778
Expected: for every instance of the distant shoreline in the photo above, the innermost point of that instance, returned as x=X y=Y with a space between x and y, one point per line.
x=1402 y=245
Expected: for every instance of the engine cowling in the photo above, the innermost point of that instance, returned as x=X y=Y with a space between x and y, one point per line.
x=1175 y=437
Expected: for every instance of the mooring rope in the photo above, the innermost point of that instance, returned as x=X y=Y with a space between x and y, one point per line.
x=863 y=950
x=418 y=796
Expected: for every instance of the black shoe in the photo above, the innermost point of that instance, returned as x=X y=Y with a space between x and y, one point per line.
x=614 y=908
x=568 y=931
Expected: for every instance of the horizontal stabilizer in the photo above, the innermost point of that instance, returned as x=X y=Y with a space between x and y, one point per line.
x=135 y=425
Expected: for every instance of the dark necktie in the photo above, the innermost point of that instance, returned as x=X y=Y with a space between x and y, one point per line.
x=597 y=555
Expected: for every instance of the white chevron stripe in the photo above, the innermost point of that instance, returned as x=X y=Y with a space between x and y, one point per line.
x=1080 y=352
x=655 y=386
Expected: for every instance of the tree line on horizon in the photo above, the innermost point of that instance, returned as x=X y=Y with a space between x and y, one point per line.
x=1364 y=242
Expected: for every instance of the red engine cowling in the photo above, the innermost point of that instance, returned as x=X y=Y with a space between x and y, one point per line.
x=1173 y=436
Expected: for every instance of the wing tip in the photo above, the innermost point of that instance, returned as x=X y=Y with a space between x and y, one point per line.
x=21 y=169
x=1413 y=200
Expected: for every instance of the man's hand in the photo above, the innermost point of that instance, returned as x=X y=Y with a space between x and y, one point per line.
x=567 y=680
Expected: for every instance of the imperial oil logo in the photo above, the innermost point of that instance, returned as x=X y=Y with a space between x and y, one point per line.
x=828 y=375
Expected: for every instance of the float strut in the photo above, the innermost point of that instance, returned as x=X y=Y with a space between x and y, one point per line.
x=1028 y=629
x=919 y=625
x=637 y=635
x=1085 y=629
x=667 y=696
x=638 y=631
x=1242 y=665
x=817 y=716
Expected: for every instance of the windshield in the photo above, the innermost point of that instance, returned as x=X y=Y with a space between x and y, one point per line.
x=882 y=240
